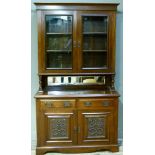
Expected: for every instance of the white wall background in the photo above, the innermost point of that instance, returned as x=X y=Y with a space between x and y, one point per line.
x=34 y=63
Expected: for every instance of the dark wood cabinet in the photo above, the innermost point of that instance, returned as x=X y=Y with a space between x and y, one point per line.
x=77 y=104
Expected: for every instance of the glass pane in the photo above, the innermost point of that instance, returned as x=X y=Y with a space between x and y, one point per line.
x=95 y=23
x=58 y=60
x=59 y=24
x=94 y=59
x=58 y=44
x=95 y=41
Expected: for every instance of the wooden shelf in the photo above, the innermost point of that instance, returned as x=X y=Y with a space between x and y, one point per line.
x=54 y=68
x=59 y=51
x=95 y=33
x=52 y=33
x=95 y=51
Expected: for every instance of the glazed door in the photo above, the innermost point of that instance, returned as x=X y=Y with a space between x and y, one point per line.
x=95 y=41
x=95 y=127
x=57 y=42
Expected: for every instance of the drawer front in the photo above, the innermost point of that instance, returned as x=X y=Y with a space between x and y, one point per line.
x=68 y=103
x=95 y=103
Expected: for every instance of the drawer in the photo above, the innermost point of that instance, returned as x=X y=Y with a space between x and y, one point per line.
x=68 y=103
x=95 y=103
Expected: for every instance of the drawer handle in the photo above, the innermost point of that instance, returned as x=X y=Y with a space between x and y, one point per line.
x=87 y=104
x=105 y=103
x=67 y=104
x=49 y=104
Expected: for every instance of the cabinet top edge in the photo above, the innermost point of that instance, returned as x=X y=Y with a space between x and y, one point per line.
x=76 y=6
x=81 y=95
x=41 y=3
x=77 y=74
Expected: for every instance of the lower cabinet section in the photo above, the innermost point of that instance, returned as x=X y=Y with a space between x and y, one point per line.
x=76 y=125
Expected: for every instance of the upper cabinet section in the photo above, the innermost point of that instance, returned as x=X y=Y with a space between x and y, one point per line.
x=76 y=38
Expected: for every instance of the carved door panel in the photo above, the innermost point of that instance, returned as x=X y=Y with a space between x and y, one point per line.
x=95 y=127
x=59 y=128
x=56 y=122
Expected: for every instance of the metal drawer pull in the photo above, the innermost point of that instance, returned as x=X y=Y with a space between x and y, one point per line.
x=87 y=104
x=105 y=103
x=49 y=104
x=67 y=104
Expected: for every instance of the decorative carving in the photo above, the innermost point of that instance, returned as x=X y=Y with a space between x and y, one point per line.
x=96 y=127
x=58 y=128
x=113 y=82
x=40 y=84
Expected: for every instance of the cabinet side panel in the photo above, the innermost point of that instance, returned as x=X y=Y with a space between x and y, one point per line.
x=40 y=42
x=112 y=40
x=40 y=124
x=115 y=117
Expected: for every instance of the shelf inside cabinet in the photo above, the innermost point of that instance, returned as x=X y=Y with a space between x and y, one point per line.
x=95 y=33
x=60 y=68
x=52 y=33
x=94 y=51
x=59 y=51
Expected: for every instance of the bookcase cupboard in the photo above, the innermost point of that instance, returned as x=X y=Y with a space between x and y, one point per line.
x=76 y=104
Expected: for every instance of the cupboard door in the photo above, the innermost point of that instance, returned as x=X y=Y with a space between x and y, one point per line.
x=59 y=128
x=56 y=125
x=95 y=127
x=96 y=44
x=56 y=47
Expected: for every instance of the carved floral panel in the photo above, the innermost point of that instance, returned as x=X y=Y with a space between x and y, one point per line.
x=58 y=128
x=96 y=127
